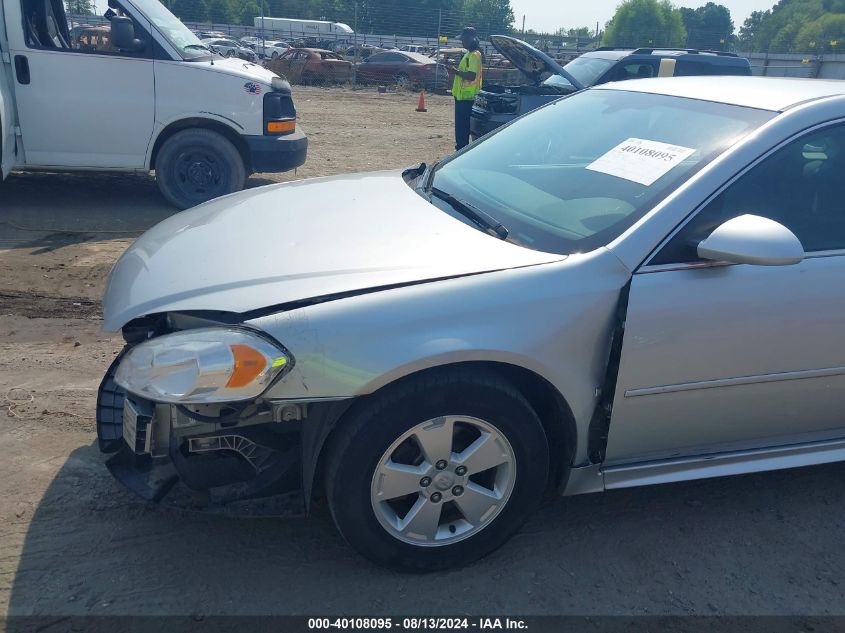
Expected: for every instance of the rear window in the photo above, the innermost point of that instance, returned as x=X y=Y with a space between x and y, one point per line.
x=690 y=67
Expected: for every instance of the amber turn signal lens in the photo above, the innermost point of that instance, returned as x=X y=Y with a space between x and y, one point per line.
x=281 y=127
x=248 y=364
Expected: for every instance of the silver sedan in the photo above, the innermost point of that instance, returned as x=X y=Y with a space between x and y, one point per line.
x=640 y=283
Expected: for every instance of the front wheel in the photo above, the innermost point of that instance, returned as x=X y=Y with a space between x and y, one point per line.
x=438 y=472
x=196 y=165
x=275 y=55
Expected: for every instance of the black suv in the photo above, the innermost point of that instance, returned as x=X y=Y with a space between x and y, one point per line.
x=496 y=105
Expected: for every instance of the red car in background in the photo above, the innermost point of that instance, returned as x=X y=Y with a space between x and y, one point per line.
x=405 y=69
x=311 y=66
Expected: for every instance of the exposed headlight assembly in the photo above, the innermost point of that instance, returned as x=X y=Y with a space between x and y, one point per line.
x=202 y=366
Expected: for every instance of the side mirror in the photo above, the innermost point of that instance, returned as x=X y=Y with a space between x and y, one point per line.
x=751 y=239
x=123 y=34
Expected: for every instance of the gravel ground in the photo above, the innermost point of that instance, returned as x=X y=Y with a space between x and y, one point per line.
x=73 y=542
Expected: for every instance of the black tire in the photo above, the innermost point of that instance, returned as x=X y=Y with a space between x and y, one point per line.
x=196 y=165
x=360 y=442
x=275 y=55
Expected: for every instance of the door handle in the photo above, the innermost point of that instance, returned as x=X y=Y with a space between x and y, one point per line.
x=22 y=69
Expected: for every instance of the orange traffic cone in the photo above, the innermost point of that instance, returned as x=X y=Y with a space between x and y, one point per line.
x=421 y=103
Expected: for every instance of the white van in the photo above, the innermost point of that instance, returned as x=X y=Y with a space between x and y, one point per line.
x=142 y=93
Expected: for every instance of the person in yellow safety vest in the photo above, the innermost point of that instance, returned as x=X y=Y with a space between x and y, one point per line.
x=466 y=84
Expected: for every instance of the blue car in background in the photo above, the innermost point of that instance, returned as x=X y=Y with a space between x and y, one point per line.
x=547 y=80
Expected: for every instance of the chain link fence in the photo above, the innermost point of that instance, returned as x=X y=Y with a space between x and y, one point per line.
x=398 y=50
x=362 y=45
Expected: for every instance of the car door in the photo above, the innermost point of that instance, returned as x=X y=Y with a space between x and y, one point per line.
x=296 y=65
x=727 y=357
x=91 y=108
x=369 y=69
x=282 y=64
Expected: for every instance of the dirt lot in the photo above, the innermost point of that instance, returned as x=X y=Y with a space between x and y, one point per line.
x=72 y=541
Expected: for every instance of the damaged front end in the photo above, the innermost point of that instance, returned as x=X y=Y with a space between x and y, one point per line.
x=233 y=450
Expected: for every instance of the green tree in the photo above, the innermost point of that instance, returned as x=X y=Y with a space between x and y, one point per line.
x=750 y=30
x=222 y=12
x=489 y=17
x=581 y=32
x=249 y=10
x=709 y=27
x=820 y=34
x=645 y=23
x=190 y=10
x=786 y=27
x=79 y=7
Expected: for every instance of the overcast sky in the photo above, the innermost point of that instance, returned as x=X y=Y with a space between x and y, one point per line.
x=550 y=15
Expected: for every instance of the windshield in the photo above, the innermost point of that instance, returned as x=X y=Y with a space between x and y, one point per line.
x=587 y=70
x=573 y=175
x=180 y=36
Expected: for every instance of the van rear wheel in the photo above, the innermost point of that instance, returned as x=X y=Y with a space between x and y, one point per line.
x=196 y=165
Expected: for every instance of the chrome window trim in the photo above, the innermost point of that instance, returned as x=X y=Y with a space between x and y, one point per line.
x=647 y=267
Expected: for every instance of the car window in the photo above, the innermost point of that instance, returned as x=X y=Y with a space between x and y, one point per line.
x=801 y=186
x=576 y=173
x=395 y=57
x=376 y=58
x=587 y=70
x=634 y=70
x=706 y=65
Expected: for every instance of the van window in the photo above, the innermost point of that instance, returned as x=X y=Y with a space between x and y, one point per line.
x=94 y=39
x=46 y=27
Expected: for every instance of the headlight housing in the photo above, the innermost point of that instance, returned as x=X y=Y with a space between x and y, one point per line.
x=203 y=366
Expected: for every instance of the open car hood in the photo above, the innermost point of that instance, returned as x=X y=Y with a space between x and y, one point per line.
x=296 y=241
x=534 y=63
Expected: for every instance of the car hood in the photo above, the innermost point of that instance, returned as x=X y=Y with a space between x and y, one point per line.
x=300 y=240
x=239 y=68
x=532 y=62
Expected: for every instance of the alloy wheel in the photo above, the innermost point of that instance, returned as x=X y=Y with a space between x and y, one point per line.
x=443 y=481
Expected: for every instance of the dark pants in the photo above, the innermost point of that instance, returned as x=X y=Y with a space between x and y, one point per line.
x=463 y=111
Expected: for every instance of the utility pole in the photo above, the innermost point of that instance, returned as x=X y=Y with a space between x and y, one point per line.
x=437 y=55
x=356 y=51
x=523 y=25
x=263 y=48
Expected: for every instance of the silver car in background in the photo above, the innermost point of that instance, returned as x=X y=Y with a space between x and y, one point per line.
x=637 y=284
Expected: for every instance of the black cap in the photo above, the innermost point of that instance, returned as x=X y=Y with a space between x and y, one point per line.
x=468 y=30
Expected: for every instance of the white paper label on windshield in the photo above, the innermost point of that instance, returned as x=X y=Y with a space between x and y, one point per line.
x=640 y=161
